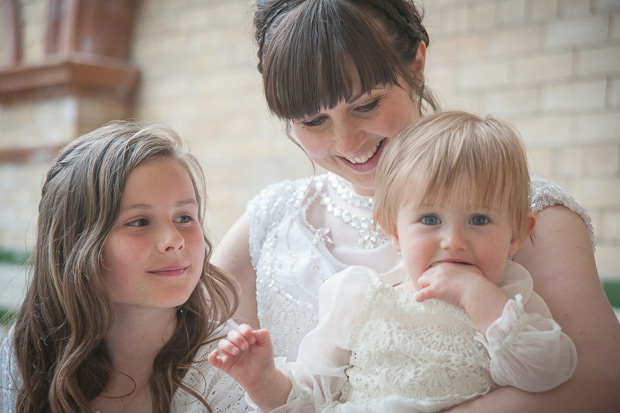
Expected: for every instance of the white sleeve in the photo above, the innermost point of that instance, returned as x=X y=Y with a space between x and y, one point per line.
x=529 y=350
x=318 y=375
x=10 y=377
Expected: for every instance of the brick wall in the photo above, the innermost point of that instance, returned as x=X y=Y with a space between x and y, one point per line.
x=552 y=67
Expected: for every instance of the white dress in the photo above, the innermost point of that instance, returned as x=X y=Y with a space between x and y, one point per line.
x=377 y=349
x=221 y=391
x=296 y=245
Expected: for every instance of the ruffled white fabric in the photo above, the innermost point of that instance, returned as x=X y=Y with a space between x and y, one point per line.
x=377 y=349
x=223 y=394
x=293 y=254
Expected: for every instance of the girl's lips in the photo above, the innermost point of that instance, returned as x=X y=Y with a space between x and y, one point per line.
x=170 y=271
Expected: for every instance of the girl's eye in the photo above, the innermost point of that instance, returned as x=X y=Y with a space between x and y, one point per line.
x=368 y=107
x=314 y=121
x=430 y=220
x=184 y=219
x=479 y=220
x=141 y=222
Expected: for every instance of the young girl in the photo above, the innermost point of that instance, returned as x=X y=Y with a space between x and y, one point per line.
x=463 y=319
x=123 y=306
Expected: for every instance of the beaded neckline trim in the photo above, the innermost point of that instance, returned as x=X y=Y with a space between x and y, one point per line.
x=368 y=235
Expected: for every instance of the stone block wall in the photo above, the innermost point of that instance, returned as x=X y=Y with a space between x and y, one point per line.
x=551 y=67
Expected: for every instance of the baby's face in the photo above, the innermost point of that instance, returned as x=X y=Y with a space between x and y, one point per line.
x=458 y=231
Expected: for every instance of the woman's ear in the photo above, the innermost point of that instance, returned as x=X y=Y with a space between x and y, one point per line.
x=519 y=239
x=420 y=59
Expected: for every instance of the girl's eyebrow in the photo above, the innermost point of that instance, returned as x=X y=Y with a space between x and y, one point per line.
x=148 y=207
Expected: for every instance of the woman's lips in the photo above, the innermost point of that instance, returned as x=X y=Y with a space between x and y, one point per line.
x=365 y=157
x=367 y=161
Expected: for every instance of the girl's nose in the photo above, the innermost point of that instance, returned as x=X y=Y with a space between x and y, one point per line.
x=170 y=239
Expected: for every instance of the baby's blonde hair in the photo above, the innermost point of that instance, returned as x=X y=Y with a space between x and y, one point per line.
x=440 y=153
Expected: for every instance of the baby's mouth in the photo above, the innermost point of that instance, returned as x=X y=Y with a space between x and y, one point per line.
x=365 y=157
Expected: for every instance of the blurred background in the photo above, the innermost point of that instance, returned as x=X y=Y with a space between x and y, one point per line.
x=550 y=67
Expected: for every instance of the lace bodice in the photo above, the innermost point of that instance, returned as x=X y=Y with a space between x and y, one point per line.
x=424 y=351
x=221 y=391
x=293 y=251
x=376 y=349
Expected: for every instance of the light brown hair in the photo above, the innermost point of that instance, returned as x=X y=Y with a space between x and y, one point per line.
x=66 y=313
x=438 y=154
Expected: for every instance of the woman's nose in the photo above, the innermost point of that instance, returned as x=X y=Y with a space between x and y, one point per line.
x=348 y=138
x=170 y=239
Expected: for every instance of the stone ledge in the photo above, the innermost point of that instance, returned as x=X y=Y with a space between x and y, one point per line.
x=79 y=74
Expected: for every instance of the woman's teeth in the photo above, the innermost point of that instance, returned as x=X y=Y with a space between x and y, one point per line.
x=366 y=156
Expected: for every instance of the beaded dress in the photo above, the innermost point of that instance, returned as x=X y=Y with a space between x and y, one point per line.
x=304 y=231
x=221 y=391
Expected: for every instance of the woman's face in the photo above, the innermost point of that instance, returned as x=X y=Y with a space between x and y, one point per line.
x=348 y=139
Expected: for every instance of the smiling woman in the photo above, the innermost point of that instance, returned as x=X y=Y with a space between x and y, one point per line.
x=345 y=76
x=122 y=291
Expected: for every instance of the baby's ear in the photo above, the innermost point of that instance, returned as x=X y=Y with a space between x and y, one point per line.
x=519 y=239
x=394 y=240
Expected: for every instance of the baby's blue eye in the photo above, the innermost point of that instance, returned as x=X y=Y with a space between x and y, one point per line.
x=479 y=220
x=430 y=220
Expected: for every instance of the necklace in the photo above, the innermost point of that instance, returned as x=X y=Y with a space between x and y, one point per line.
x=368 y=235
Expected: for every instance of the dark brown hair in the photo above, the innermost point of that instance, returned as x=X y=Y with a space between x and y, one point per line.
x=66 y=313
x=308 y=48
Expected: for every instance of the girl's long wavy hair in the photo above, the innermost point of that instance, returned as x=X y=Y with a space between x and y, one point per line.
x=59 y=331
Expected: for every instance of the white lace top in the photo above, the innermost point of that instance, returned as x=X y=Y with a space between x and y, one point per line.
x=377 y=347
x=296 y=245
x=222 y=392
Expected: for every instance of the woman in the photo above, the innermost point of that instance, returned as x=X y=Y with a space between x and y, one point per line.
x=345 y=76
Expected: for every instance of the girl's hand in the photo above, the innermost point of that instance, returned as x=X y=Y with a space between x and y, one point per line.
x=246 y=355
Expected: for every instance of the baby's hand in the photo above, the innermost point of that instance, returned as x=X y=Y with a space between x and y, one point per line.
x=464 y=286
x=450 y=282
x=246 y=355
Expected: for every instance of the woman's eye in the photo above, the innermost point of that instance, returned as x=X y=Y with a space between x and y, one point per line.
x=313 y=122
x=141 y=222
x=368 y=107
x=430 y=220
x=479 y=220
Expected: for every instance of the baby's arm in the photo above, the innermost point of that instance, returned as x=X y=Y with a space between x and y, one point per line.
x=528 y=350
x=247 y=356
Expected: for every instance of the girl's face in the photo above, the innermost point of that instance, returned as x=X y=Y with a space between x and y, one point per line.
x=347 y=139
x=154 y=255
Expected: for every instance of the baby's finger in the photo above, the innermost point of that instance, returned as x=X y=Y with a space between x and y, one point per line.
x=214 y=359
x=247 y=333
x=237 y=339
x=227 y=347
